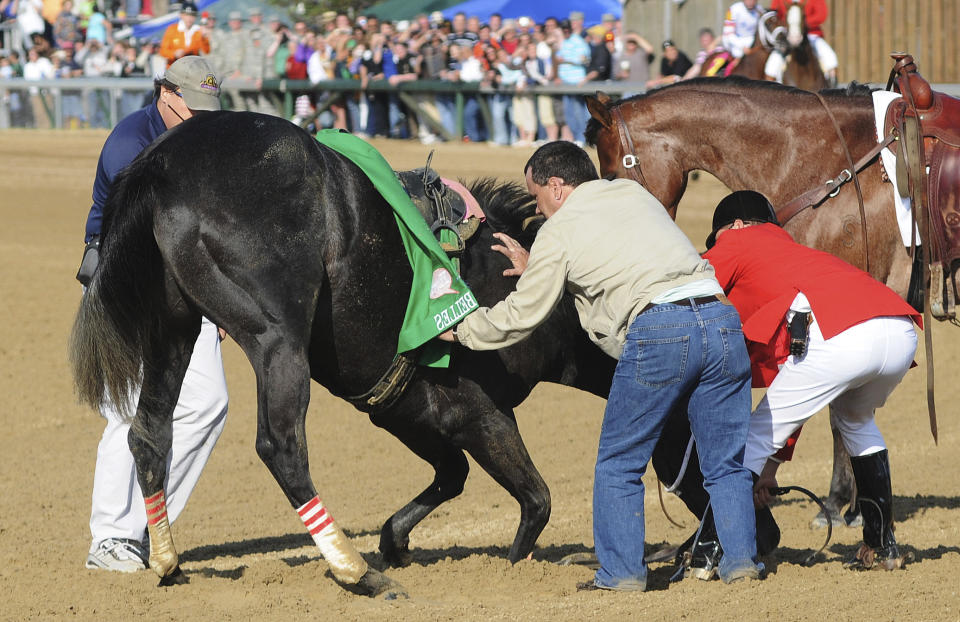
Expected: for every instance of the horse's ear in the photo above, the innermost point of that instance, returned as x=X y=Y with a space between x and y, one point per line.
x=598 y=108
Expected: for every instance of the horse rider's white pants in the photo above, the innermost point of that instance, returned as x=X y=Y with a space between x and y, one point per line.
x=853 y=372
x=776 y=64
x=117 y=510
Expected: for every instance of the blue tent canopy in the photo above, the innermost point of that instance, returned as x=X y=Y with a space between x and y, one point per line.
x=154 y=28
x=538 y=10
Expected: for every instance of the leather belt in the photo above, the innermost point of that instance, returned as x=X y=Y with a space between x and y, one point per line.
x=689 y=302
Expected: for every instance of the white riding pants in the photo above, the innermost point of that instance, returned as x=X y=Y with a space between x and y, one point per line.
x=776 y=64
x=117 y=510
x=853 y=372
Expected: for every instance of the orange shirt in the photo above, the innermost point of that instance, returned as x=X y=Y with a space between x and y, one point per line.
x=192 y=42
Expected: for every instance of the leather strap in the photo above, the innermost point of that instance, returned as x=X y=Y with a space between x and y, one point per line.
x=815 y=196
x=626 y=142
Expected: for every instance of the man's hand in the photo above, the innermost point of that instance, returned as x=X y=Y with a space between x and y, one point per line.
x=447 y=336
x=517 y=254
x=767 y=480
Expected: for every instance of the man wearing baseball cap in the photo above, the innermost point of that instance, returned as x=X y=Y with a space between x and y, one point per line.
x=118 y=518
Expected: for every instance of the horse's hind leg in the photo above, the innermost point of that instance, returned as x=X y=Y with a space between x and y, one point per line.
x=450 y=472
x=494 y=441
x=283 y=394
x=151 y=437
x=842 y=487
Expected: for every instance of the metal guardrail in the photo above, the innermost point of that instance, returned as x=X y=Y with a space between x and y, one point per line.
x=104 y=96
x=107 y=100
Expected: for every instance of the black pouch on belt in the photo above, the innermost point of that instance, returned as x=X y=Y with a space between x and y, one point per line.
x=799 y=328
x=89 y=262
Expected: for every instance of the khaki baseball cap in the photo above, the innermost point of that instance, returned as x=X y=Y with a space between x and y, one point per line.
x=198 y=84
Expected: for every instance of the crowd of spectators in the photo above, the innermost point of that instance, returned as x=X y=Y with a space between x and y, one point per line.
x=507 y=55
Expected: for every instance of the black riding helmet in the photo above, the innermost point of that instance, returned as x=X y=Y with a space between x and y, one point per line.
x=747 y=205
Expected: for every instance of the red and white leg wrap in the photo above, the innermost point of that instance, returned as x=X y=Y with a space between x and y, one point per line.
x=346 y=564
x=163 y=554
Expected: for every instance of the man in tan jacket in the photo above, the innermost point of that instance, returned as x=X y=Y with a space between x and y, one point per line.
x=647 y=298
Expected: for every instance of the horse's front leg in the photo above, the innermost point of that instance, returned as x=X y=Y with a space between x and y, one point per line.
x=421 y=434
x=150 y=439
x=283 y=396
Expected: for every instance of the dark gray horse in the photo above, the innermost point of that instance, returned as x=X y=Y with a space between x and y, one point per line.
x=285 y=244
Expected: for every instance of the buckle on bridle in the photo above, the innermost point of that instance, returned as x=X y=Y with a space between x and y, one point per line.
x=629 y=161
x=844 y=176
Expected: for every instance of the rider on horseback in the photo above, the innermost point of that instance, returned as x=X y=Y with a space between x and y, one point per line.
x=815 y=14
x=740 y=27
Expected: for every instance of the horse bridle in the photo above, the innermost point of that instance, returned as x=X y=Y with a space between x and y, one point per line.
x=630 y=161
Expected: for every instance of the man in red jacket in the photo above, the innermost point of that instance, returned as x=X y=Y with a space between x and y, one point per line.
x=819 y=331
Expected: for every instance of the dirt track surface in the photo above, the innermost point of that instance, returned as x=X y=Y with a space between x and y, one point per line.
x=245 y=550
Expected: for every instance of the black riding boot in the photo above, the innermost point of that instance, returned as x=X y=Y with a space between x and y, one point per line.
x=875 y=500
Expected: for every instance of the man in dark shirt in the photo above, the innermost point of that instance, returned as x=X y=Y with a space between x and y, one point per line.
x=600 y=58
x=673 y=65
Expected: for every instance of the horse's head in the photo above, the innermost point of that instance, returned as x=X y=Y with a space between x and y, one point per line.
x=625 y=152
x=604 y=134
x=796 y=23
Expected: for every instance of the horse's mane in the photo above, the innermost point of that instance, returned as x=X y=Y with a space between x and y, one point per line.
x=731 y=84
x=506 y=205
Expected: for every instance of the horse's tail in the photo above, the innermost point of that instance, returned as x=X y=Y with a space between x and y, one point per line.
x=120 y=315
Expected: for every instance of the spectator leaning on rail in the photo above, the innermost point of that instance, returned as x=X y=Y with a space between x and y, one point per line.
x=633 y=65
x=709 y=44
x=638 y=284
x=673 y=66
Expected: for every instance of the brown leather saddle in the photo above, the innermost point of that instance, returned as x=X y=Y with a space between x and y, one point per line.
x=927 y=126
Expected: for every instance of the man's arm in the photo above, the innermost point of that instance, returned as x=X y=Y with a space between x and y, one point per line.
x=513 y=319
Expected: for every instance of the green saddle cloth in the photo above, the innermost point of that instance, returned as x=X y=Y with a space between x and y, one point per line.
x=439 y=298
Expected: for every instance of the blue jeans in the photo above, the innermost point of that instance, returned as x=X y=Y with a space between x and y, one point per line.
x=575 y=115
x=472 y=125
x=673 y=352
x=500 y=112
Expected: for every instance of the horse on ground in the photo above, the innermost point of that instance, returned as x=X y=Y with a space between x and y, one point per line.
x=287 y=245
x=779 y=141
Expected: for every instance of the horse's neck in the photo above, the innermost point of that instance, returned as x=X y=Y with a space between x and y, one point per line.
x=754 y=148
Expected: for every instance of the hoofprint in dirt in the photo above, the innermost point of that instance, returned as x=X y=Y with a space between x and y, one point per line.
x=246 y=553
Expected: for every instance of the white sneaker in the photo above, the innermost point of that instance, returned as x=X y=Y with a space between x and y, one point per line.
x=119 y=555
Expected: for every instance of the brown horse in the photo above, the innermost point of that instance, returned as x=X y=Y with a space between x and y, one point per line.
x=802 y=68
x=774 y=139
x=787 y=36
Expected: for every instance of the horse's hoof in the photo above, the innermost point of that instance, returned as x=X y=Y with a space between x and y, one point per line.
x=397 y=558
x=852 y=518
x=177 y=577
x=663 y=554
x=375 y=584
x=580 y=559
x=820 y=521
